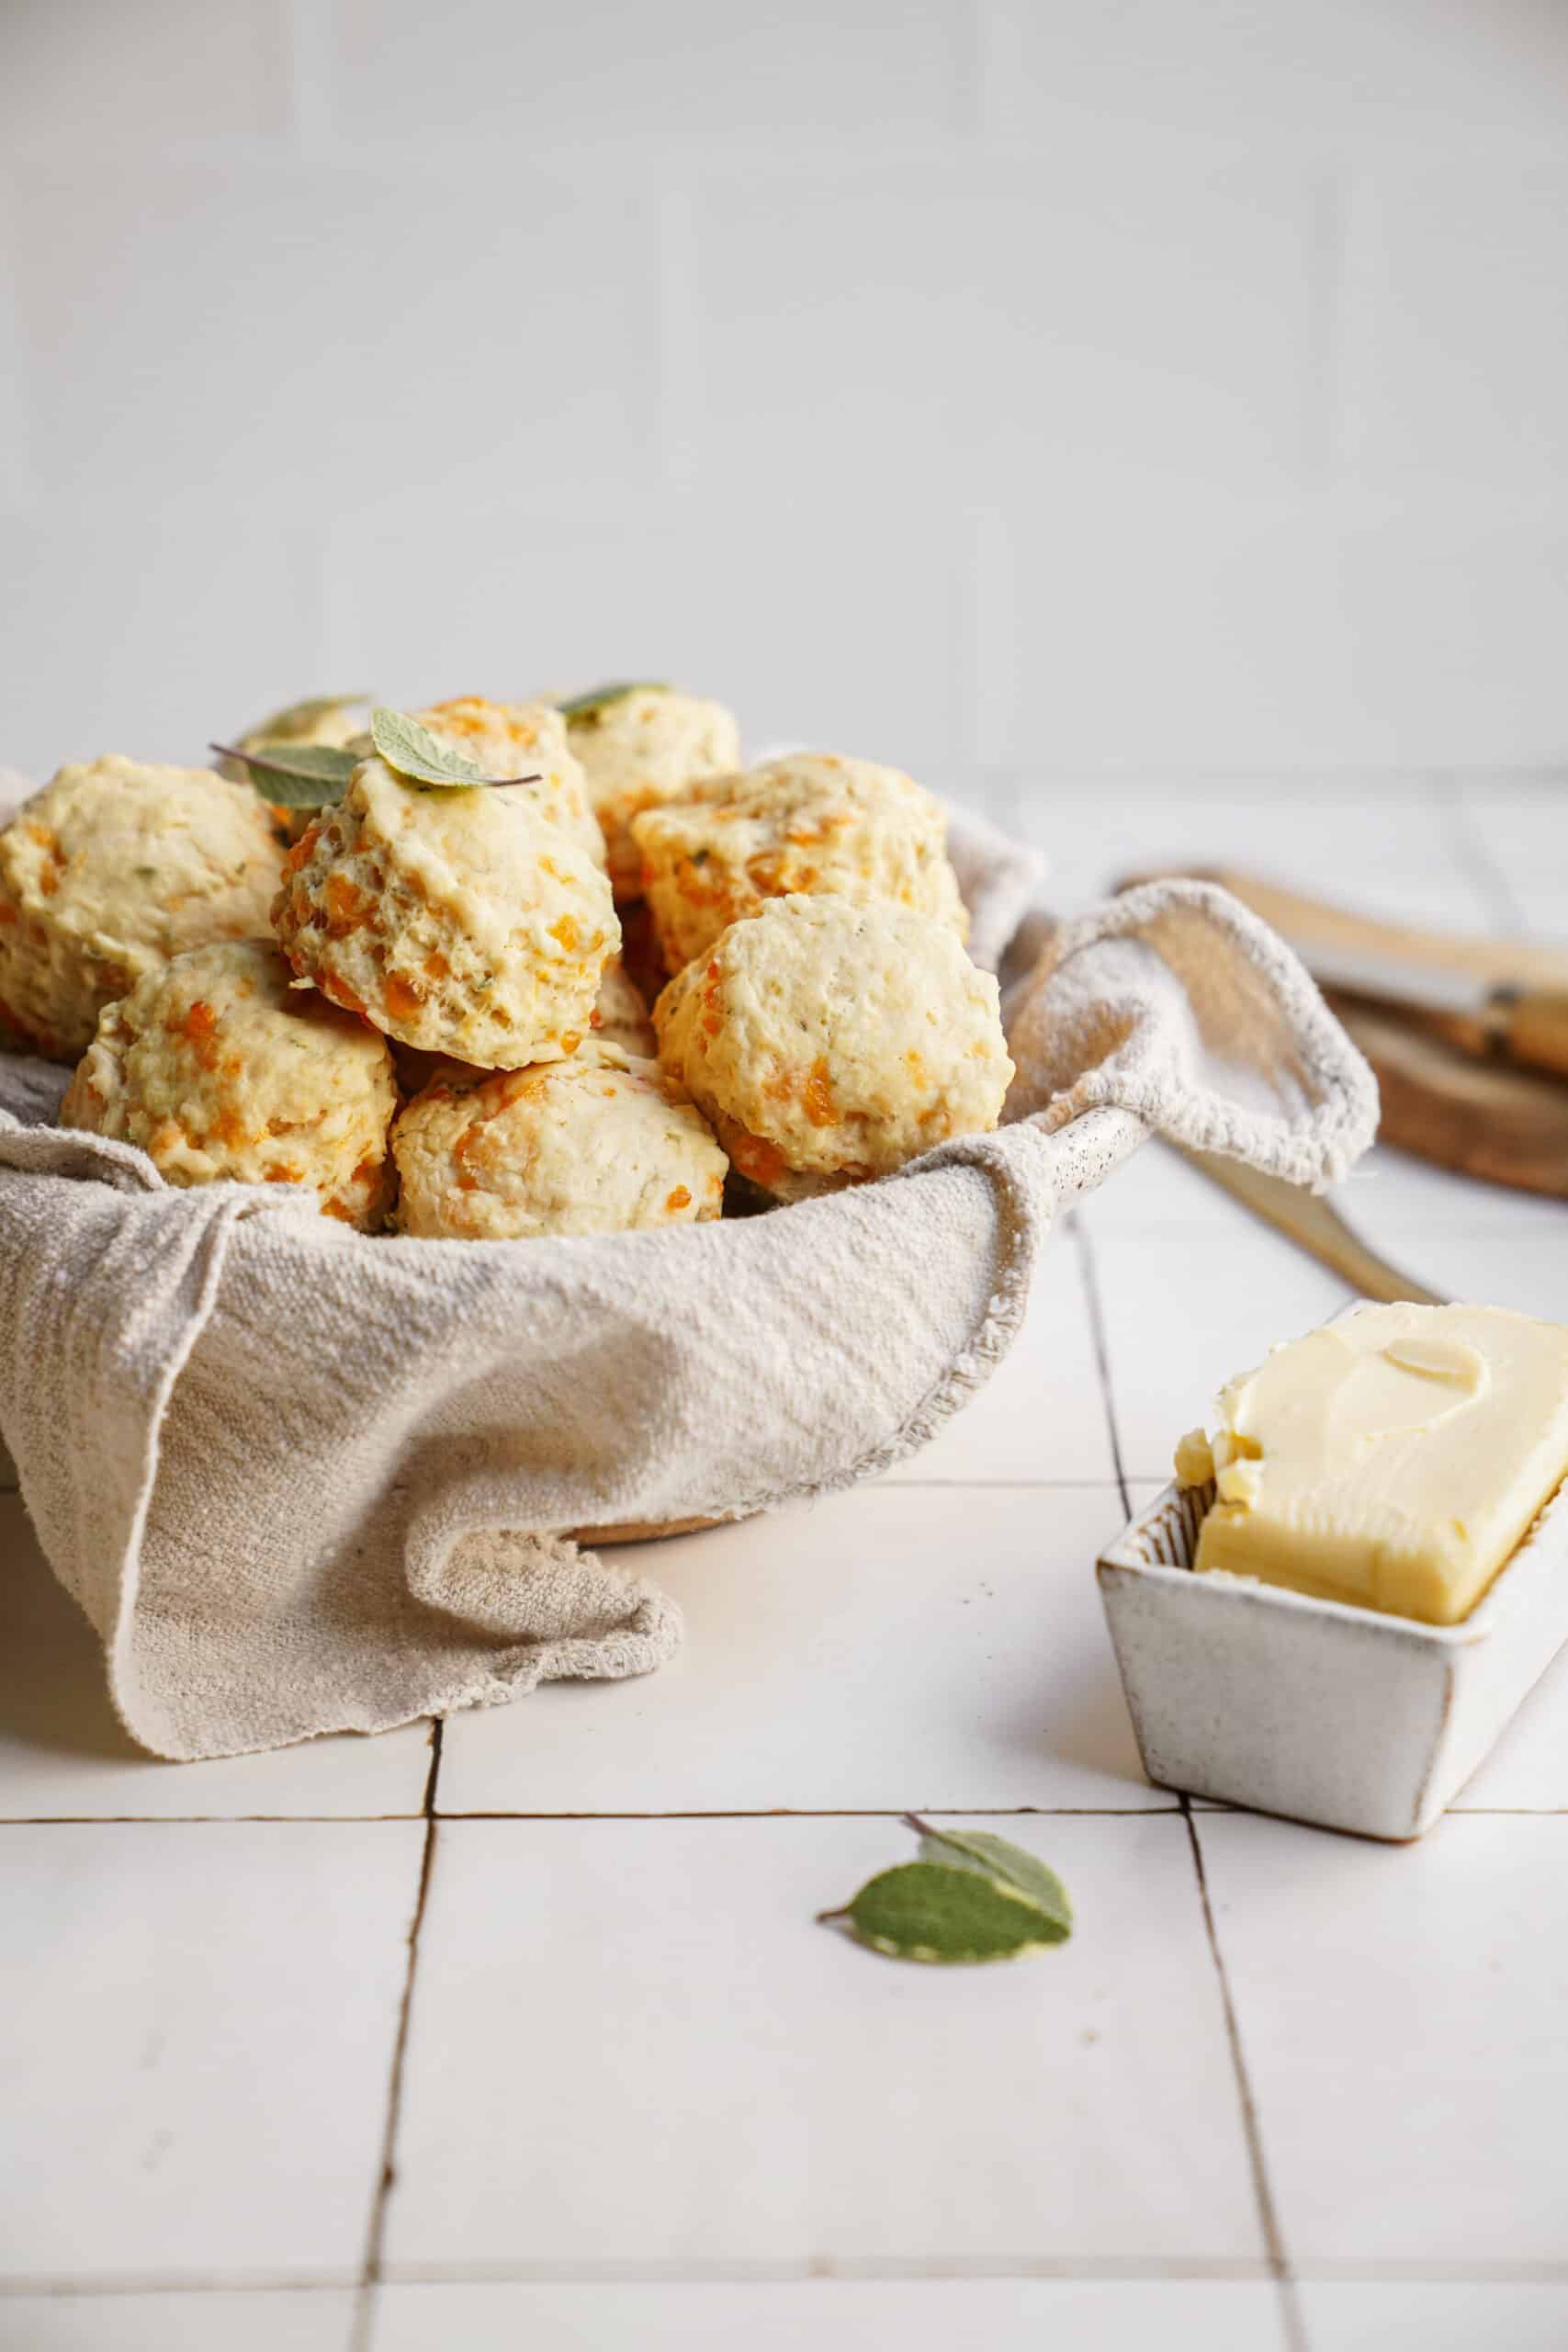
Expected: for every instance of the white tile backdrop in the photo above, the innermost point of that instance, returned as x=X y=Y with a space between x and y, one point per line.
x=1023 y=389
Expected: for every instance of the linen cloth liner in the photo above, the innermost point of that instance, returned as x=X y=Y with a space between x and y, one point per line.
x=302 y=1481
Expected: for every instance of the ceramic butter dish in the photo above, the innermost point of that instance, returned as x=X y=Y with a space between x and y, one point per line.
x=1300 y=1631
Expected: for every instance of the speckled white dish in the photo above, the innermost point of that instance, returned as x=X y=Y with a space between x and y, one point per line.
x=1324 y=1712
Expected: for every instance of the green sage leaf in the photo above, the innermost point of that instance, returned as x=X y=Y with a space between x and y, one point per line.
x=296 y=775
x=945 y=1917
x=1010 y=1867
x=418 y=753
x=598 y=698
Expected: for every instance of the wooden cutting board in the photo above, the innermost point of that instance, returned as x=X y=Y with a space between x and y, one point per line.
x=1485 y=1118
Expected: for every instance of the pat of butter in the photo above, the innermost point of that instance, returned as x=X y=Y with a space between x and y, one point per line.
x=1393 y=1459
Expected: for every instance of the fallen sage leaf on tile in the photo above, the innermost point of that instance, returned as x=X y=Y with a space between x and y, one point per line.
x=1012 y=1867
x=971 y=1897
x=296 y=775
x=598 y=698
x=421 y=756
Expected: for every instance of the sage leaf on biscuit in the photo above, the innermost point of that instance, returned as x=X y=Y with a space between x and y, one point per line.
x=296 y=775
x=598 y=698
x=971 y=1897
x=1009 y=1866
x=418 y=753
x=421 y=756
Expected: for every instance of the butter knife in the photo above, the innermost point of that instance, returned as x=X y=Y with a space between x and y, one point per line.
x=1313 y=1225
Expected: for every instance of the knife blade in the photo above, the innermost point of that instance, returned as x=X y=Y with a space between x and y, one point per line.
x=1314 y=1226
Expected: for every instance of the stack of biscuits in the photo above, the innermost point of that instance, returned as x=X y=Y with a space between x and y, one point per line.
x=413 y=1003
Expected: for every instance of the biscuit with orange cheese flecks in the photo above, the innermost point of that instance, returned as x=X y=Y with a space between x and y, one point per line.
x=463 y=921
x=830 y=1041
x=803 y=825
x=110 y=869
x=219 y=1067
x=506 y=739
x=605 y=1143
x=640 y=749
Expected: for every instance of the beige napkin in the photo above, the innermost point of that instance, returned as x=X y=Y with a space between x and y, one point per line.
x=302 y=1481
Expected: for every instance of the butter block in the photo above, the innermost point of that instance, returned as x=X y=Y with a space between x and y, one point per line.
x=1393 y=1459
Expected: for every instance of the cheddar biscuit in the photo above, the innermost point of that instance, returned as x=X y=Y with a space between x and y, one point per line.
x=642 y=748
x=109 y=870
x=604 y=1143
x=463 y=921
x=218 y=1068
x=522 y=739
x=810 y=824
x=830 y=1041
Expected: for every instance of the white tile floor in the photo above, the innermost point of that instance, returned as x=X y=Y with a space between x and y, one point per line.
x=557 y=1967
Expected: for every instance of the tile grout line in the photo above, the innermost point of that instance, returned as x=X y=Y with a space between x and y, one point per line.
x=433 y=1778
x=1090 y=1280
x=370 y=2275
x=1291 y=2316
x=1278 y=2261
x=996 y=1486
x=732 y=1813
x=1393 y=2269
x=179 y=1820
x=837 y=2269
x=847 y=1813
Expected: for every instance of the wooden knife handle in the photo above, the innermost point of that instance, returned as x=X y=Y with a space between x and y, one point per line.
x=1529 y=1026
x=1317 y=922
x=1534 y=1027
